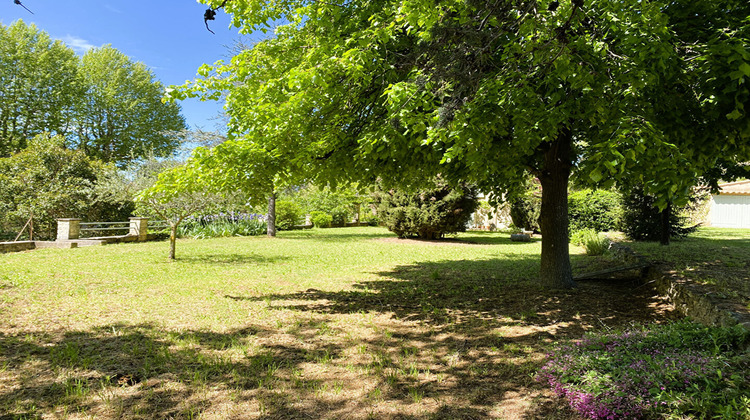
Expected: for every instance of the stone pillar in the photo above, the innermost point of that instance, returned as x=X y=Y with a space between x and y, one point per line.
x=68 y=229
x=357 y=210
x=139 y=228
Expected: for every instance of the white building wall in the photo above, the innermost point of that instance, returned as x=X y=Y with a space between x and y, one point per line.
x=731 y=211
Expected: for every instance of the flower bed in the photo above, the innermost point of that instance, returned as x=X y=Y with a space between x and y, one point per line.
x=679 y=369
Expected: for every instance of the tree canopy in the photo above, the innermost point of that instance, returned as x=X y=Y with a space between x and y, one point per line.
x=487 y=92
x=102 y=103
x=49 y=181
x=121 y=114
x=38 y=86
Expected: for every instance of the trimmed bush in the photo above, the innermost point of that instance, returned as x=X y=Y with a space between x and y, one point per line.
x=600 y=210
x=429 y=213
x=340 y=215
x=321 y=219
x=288 y=215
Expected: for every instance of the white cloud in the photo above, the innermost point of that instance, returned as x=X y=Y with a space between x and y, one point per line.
x=79 y=45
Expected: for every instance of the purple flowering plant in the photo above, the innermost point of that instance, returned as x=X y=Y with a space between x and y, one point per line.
x=672 y=370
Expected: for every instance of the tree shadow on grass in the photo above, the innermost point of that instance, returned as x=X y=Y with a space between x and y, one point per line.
x=433 y=340
x=143 y=371
x=231 y=259
x=490 y=316
x=720 y=265
x=335 y=234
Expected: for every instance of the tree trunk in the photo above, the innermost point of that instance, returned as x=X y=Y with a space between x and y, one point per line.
x=664 y=231
x=556 y=272
x=172 y=241
x=271 y=220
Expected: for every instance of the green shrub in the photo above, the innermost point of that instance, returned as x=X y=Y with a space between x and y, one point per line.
x=369 y=218
x=642 y=219
x=429 y=213
x=525 y=212
x=593 y=242
x=288 y=214
x=679 y=370
x=50 y=181
x=321 y=219
x=340 y=215
x=600 y=210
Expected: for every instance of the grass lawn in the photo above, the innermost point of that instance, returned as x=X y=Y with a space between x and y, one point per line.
x=337 y=323
x=717 y=258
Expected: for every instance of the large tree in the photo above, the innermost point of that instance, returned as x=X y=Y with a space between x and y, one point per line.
x=477 y=91
x=38 y=86
x=121 y=114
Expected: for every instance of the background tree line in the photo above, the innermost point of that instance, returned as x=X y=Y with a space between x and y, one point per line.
x=68 y=122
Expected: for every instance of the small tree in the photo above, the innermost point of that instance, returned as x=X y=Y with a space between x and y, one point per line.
x=176 y=195
x=244 y=165
x=644 y=221
x=428 y=213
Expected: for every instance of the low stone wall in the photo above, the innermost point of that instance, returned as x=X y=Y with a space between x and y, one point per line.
x=16 y=246
x=696 y=301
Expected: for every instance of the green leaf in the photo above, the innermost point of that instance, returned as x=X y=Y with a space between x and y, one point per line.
x=734 y=115
x=596 y=175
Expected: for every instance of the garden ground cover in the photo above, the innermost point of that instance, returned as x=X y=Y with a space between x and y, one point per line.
x=334 y=323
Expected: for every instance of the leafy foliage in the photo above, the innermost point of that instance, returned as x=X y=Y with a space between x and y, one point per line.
x=429 y=213
x=340 y=203
x=490 y=92
x=321 y=219
x=288 y=214
x=223 y=225
x=678 y=370
x=136 y=120
x=38 y=86
x=525 y=209
x=49 y=181
x=104 y=104
x=642 y=218
x=595 y=243
x=178 y=193
x=600 y=210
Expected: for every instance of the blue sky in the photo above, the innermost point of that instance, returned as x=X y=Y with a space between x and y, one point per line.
x=169 y=36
